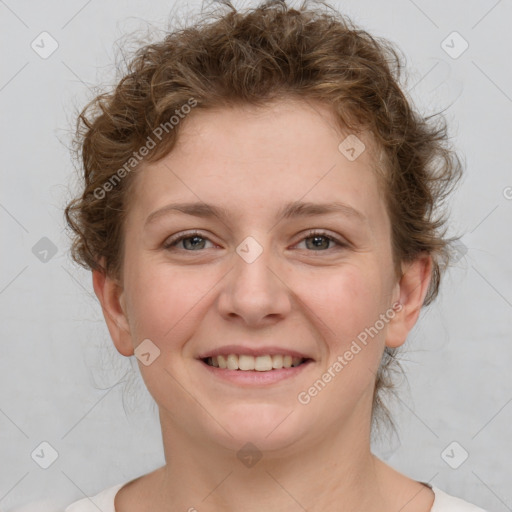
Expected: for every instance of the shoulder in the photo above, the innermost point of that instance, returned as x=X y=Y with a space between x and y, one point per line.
x=103 y=501
x=444 y=502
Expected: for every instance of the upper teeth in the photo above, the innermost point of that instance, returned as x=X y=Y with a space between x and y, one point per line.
x=259 y=363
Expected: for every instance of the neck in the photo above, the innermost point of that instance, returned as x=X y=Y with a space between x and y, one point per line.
x=199 y=476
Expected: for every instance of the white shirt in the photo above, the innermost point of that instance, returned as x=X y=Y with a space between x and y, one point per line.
x=104 y=501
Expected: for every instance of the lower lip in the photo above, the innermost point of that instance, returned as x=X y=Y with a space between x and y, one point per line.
x=254 y=377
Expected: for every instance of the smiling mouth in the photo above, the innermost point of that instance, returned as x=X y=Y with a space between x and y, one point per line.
x=263 y=363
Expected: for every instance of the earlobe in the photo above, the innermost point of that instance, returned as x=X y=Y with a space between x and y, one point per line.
x=112 y=300
x=413 y=288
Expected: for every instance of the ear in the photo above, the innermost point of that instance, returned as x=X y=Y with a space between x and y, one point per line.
x=412 y=289
x=111 y=296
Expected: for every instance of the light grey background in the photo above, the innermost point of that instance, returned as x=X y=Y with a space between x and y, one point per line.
x=61 y=380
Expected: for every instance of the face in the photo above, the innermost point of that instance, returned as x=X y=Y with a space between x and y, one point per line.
x=252 y=279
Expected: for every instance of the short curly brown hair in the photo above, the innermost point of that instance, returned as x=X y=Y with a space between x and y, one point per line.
x=265 y=53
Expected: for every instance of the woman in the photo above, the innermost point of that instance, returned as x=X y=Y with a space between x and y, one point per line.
x=259 y=213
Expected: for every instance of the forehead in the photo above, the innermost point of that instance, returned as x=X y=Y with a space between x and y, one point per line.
x=254 y=159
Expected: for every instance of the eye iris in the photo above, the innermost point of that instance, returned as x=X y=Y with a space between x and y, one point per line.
x=318 y=238
x=195 y=237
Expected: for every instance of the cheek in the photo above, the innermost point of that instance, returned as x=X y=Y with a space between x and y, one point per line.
x=345 y=301
x=165 y=301
x=167 y=306
x=351 y=301
x=354 y=300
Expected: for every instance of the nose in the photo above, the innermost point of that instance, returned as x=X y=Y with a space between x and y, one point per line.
x=255 y=292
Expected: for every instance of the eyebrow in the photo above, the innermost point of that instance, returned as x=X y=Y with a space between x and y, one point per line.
x=289 y=210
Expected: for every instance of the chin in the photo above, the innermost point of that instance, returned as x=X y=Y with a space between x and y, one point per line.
x=267 y=426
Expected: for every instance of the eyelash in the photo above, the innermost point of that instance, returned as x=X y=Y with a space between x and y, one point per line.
x=170 y=244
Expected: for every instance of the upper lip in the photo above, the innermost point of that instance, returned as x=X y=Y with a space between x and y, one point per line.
x=260 y=351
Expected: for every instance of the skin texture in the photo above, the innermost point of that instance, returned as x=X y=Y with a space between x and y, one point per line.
x=186 y=300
